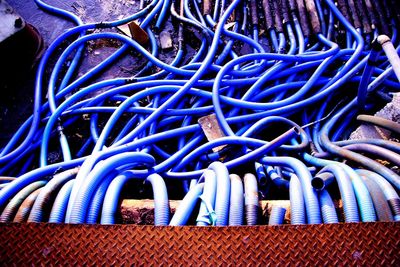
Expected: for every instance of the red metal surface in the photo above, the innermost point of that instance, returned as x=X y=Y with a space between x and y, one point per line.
x=340 y=244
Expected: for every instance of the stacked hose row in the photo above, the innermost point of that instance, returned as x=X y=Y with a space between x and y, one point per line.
x=285 y=80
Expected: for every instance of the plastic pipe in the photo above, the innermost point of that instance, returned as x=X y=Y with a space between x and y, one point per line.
x=12 y=207
x=223 y=192
x=26 y=206
x=207 y=205
x=186 y=207
x=391 y=195
x=251 y=204
x=48 y=193
x=297 y=206
x=277 y=215
x=236 y=208
x=382 y=208
x=328 y=209
x=57 y=213
x=161 y=202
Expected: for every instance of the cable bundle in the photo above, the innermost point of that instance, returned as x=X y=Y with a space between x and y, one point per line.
x=285 y=80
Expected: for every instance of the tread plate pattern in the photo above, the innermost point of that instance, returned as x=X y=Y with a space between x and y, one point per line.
x=336 y=244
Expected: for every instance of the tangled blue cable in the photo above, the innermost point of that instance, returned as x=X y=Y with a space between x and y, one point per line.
x=284 y=96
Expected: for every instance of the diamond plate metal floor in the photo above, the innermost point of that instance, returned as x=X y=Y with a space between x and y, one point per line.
x=340 y=244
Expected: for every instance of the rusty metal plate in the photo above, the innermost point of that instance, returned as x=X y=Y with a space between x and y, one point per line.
x=340 y=244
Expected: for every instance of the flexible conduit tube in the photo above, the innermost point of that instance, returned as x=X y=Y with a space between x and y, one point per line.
x=12 y=207
x=382 y=208
x=297 y=206
x=251 y=204
x=365 y=202
x=391 y=195
x=33 y=176
x=310 y=195
x=91 y=161
x=26 y=206
x=198 y=74
x=346 y=192
x=363 y=197
x=47 y=194
x=391 y=53
x=95 y=210
x=112 y=196
x=208 y=198
x=253 y=155
x=327 y=81
x=85 y=193
x=277 y=215
x=223 y=192
x=236 y=207
x=6 y=179
x=328 y=209
x=161 y=203
x=57 y=213
x=187 y=205
x=334 y=149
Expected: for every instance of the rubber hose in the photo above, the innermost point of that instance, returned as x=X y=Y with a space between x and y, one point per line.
x=382 y=122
